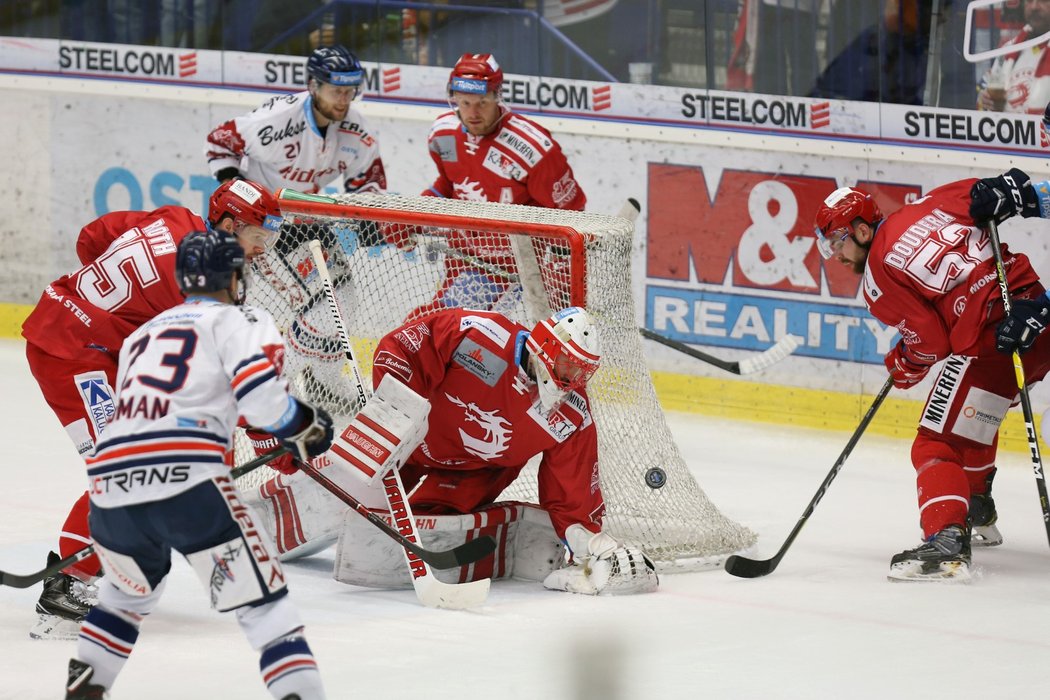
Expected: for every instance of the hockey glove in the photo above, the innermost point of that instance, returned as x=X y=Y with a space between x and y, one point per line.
x=314 y=433
x=230 y=173
x=1027 y=319
x=602 y=566
x=999 y=198
x=263 y=442
x=906 y=371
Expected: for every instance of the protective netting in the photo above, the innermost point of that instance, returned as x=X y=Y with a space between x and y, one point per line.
x=394 y=258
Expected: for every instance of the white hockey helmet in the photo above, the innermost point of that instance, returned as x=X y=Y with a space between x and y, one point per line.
x=564 y=354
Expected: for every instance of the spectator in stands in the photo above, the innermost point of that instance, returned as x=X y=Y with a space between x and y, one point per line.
x=887 y=63
x=1020 y=82
x=774 y=49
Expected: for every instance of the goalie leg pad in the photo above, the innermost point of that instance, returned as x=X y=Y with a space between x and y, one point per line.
x=384 y=433
x=624 y=571
x=301 y=515
x=527 y=547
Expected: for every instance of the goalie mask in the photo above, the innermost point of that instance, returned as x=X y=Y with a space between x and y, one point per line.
x=834 y=220
x=206 y=261
x=564 y=354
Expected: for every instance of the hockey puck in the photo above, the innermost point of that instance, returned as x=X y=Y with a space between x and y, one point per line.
x=655 y=478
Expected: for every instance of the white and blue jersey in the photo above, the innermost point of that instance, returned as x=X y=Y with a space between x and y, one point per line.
x=185 y=378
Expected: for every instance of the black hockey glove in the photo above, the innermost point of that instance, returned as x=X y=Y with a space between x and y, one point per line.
x=999 y=198
x=1046 y=118
x=1027 y=319
x=230 y=173
x=314 y=434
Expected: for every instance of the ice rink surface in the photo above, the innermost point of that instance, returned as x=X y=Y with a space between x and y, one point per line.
x=825 y=624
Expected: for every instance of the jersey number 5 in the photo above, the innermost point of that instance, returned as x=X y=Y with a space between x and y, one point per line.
x=108 y=282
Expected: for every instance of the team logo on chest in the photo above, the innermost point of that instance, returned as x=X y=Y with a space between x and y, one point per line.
x=496 y=430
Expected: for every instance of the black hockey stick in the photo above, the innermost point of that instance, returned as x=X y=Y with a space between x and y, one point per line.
x=1022 y=384
x=783 y=347
x=27 y=580
x=753 y=568
x=264 y=458
x=466 y=553
x=462 y=555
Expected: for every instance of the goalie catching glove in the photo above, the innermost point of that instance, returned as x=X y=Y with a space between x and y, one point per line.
x=600 y=565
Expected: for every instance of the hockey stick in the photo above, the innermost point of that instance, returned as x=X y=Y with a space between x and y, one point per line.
x=1022 y=384
x=27 y=580
x=264 y=458
x=466 y=553
x=783 y=347
x=753 y=568
x=429 y=590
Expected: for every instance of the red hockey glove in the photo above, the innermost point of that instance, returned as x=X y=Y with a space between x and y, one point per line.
x=906 y=371
x=263 y=442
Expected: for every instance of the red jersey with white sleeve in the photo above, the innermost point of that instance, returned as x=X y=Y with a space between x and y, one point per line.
x=518 y=163
x=128 y=277
x=485 y=413
x=931 y=274
x=185 y=377
x=280 y=145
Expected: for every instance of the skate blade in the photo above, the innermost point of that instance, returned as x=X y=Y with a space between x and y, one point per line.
x=986 y=536
x=948 y=572
x=53 y=627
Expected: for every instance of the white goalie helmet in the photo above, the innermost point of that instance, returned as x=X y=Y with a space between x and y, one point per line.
x=564 y=354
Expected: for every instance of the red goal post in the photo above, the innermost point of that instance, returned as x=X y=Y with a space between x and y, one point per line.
x=393 y=258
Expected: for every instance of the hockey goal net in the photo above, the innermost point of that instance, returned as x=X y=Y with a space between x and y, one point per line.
x=394 y=258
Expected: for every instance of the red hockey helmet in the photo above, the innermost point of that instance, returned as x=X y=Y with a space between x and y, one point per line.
x=249 y=203
x=834 y=220
x=477 y=74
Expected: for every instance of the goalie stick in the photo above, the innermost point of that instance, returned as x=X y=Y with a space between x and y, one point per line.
x=1022 y=383
x=429 y=590
x=753 y=568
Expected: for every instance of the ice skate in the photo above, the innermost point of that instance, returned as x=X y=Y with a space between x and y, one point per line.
x=77 y=685
x=943 y=557
x=62 y=605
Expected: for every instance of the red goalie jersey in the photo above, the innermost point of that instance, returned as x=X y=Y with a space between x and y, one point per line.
x=518 y=163
x=931 y=274
x=485 y=422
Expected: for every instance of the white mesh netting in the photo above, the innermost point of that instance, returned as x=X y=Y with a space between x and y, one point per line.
x=391 y=257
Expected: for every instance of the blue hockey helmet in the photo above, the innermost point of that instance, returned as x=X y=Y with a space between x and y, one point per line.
x=335 y=65
x=206 y=260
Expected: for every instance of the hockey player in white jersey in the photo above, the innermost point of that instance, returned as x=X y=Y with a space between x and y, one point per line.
x=159 y=478
x=306 y=140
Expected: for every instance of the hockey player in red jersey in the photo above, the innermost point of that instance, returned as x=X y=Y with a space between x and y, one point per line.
x=75 y=332
x=500 y=395
x=929 y=271
x=484 y=152
x=306 y=140
x=159 y=478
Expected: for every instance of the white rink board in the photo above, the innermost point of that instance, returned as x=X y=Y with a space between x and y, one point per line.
x=81 y=153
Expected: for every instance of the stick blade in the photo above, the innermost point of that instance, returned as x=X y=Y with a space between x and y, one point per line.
x=742 y=567
x=451 y=596
x=784 y=347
